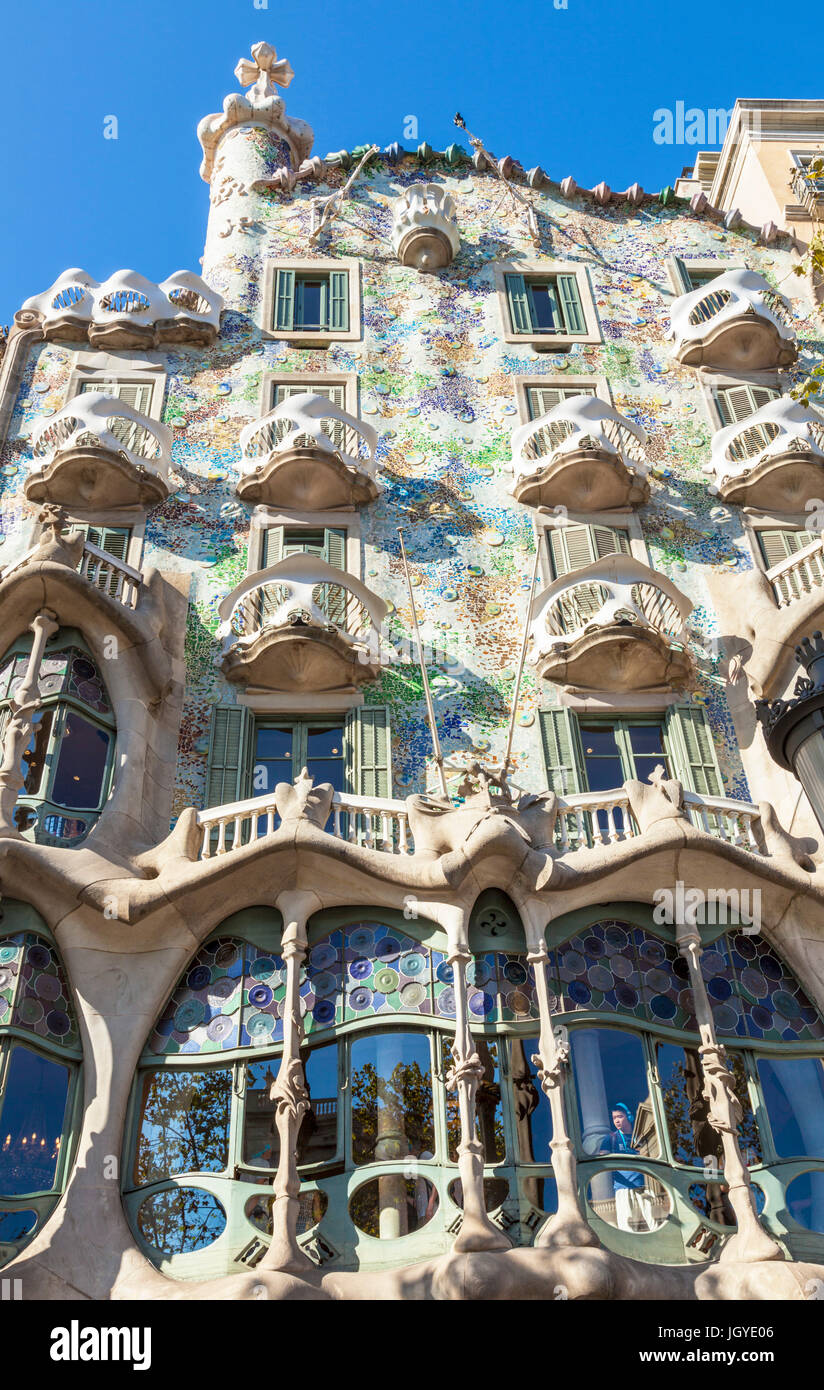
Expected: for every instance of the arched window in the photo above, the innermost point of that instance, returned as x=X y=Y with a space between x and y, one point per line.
x=68 y=761
x=39 y=1073
x=377 y=1151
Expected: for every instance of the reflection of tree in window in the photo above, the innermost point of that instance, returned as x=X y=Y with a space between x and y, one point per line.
x=184 y=1125
x=181 y=1220
x=392 y=1119
x=489 y=1124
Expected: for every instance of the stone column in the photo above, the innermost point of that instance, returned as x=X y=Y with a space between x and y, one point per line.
x=750 y=1241
x=391 y=1144
x=289 y=1093
x=477 y=1231
x=23 y=708
x=568 y=1226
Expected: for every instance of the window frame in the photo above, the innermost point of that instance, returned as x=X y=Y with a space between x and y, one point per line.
x=713 y=381
x=322 y=265
x=94 y=370
x=678 y=271
x=534 y=270
x=598 y=386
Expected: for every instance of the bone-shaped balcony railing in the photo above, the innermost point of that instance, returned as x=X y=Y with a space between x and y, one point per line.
x=581 y=423
x=308 y=421
x=584 y=819
x=95 y=420
x=77 y=301
x=303 y=591
x=782 y=426
x=799 y=574
x=616 y=589
x=728 y=297
x=103 y=571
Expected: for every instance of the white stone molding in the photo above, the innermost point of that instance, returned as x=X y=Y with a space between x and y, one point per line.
x=424 y=230
x=773 y=460
x=261 y=106
x=99 y=452
x=309 y=455
x=582 y=454
x=301 y=625
x=613 y=625
x=735 y=322
x=127 y=310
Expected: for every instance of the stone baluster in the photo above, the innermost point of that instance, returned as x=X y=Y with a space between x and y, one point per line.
x=750 y=1241
x=568 y=1226
x=289 y=1093
x=24 y=704
x=477 y=1231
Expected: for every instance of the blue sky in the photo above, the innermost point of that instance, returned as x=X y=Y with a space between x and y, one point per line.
x=572 y=89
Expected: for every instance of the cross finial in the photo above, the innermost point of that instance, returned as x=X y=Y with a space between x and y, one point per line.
x=264 y=69
x=657 y=776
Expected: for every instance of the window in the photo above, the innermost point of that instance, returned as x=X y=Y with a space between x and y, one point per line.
x=69 y=759
x=572 y=547
x=803 y=159
x=332 y=391
x=687 y=275
x=740 y=402
x=248 y=757
x=378 y=1147
x=777 y=544
x=137 y=394
x=327 y=543
x=540 y=399
x=313 y=302
x=545 y=305
x=39 y=1068
x=583 y=754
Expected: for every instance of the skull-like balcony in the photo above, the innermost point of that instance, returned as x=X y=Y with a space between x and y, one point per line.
x=424 y=233
x=583 y=455
x=127 y=310
x=614 y=625
x=98 y=452
x=309 y=455
x=773 y=460
x=301 y=625
x=736 y=323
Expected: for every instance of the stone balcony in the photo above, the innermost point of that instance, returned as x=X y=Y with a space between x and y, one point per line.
x=127 y=310
x=735 y=323
x=614 y=625
x=773 y=460
x=98 y=452
x=582 y=455
x=301 y=625
x=309 y=455
x=424 y=232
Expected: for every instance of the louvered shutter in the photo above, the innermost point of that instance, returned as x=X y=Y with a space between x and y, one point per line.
x=691 y=748
x=562 y=751
x=777 y=545
x=573 y=547
x=540 y=399
x=740 y=402
x=113 y=539
x=227 y=778
x=570 y=302
x=332 y=391
x=134 y=393
x=271 y=546
x=285 y=300
x=338 y=301
x=519 y=313
x=368 y=763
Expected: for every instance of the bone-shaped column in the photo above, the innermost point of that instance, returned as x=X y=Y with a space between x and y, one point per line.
x=289 y=1093
x=750 y=1240
x=23 y=707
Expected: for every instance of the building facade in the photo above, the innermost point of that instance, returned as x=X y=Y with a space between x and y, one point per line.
x=411 y=914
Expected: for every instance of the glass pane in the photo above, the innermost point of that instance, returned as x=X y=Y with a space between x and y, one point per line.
x=318 y=1136
x=805 y=1200
x=312 y=294
x=311 y=1209
x=533 y=1117
x=32 y=1120
x=34 y=757
x=261 y=1143
x=273 y=743
x=181 y=1220
x=544 y=314
x=391 y=1086
x=184 y=1123
x=496 y=1191
x=692 y=1138
x=82 y=759
x=794 y=1094
x=629 y=1200
x=646 y=740
x=489 y=1122
x=393 y=1206
x=614 y=1104
x=324 y=743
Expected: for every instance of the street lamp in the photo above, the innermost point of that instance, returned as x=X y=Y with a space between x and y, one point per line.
x=794 y=728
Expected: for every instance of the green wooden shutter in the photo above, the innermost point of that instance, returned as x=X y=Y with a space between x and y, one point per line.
x=737 y=403
x=285 y=300
x=540 y=399
x=114 y=540
x=570 y=301
x=230 y=739
x=271 y=548
x=563 y=758
x=134 y=393
x=573 y=547
x=683 y=275
x=519 y=314
x=335 y=547
x=338 y=301
x=368 y=761
x=691 y=748
x=777 y=545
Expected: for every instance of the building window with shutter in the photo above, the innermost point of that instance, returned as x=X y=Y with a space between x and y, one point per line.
x=332 y=391
x=573 y=547
x=740 y=401
x=542 y=398
x=548 y=307
x=313 y=301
